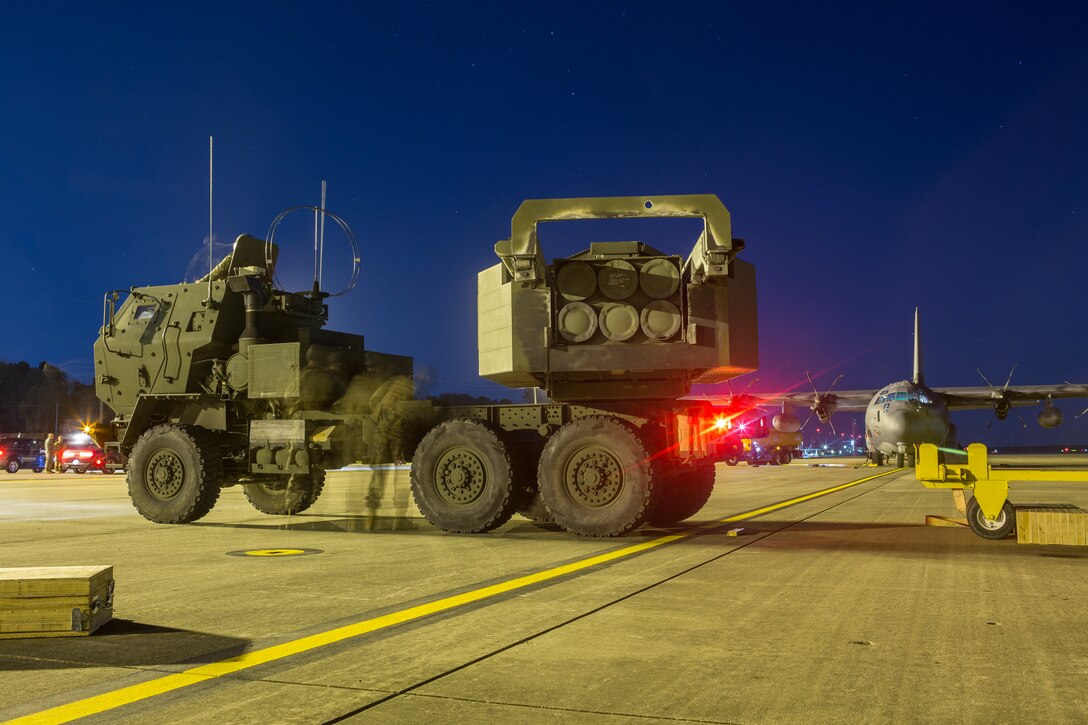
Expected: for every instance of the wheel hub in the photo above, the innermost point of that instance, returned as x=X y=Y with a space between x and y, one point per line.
x=593 y=477
x=990 y=524
x=460 y=476
x=165 y=474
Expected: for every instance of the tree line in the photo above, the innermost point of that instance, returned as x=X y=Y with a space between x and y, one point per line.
x=36 y=400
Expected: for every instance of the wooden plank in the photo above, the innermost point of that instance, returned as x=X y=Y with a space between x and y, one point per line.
x=1023 y=526
x=932 y=520
x=52 y=581
x=89 y=623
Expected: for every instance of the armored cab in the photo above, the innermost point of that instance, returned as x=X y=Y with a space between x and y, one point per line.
x=229 y=380
x=188 y=353
x=621 y=320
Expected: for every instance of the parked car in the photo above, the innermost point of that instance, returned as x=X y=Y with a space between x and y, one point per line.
x=17 y=453
x=80 y=458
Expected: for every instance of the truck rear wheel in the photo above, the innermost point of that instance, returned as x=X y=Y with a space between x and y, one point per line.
x=685 y=493
x=596 y=477
x=174 y=474
x=285 y=495
x=462 y=478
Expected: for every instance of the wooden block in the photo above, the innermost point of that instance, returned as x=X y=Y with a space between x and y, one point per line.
x=959 y=501
x=1051 y=524
x=52 y=581
x=55 y=601
x=932 y=520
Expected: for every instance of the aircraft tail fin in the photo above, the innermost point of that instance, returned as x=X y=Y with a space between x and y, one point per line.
x=919 y=376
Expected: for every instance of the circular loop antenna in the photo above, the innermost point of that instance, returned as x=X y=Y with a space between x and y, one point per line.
x=269 y=262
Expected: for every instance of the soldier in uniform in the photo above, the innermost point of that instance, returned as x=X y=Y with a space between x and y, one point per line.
x=391 y=437
x=58 y=449
x=322 y=380
x=50 y=450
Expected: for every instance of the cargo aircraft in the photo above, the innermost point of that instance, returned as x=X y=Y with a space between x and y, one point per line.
x=907 y=413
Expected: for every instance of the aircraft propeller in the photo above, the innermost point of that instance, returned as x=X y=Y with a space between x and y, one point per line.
x=1001 y=401
x=732 y=397
x=1082 y=387
x=823 y=405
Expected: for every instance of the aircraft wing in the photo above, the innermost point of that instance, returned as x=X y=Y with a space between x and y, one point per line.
x=852 y=400
x=981 y=398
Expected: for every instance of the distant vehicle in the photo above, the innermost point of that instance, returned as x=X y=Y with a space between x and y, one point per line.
x=18 y=453
x=80 y=457
x=756 y=442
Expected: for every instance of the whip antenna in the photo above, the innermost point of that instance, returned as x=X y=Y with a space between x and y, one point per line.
x=321 y=252
x=211 y=256
x=319 y=239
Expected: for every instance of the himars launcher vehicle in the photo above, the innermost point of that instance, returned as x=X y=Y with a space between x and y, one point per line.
x=233 y=381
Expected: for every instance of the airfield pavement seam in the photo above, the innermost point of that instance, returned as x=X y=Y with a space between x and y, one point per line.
x=224 y=668
x=573 y=711
x=701 y=530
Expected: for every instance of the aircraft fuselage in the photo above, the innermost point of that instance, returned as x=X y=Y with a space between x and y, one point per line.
x=903 y=415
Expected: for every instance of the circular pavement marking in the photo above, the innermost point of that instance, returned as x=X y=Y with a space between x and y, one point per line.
x=275 y=552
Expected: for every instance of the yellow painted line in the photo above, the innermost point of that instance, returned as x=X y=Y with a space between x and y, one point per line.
x=807 y=497
x=134 y=693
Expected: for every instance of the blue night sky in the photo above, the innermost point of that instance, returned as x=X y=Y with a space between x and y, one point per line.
x=873 y=159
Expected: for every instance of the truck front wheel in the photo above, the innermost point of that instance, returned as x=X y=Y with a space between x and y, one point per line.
x=462 y=478
x=596 y=477
x=174 y=474
x=285 y=495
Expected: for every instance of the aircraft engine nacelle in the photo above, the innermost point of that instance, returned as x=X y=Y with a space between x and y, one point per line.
x=1001 y=408
x=786 y=423
x=1050 y=417
x=824 y=411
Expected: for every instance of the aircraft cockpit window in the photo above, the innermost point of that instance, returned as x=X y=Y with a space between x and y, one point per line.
x=923 y=398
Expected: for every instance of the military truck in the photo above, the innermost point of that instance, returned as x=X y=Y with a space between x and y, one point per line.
x=232 y=380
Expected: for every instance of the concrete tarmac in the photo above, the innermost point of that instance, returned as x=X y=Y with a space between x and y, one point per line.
x=841 y=608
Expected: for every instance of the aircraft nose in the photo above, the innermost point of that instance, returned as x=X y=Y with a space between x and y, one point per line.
x=896 y=425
